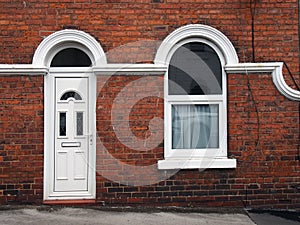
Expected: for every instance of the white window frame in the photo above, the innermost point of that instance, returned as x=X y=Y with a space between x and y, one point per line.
x=196 y=158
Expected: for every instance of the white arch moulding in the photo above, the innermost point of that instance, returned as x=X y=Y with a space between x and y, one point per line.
x=199 y=31
x=63 y=39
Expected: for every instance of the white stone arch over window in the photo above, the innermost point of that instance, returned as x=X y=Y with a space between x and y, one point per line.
x=199 y=31
x=68 y=38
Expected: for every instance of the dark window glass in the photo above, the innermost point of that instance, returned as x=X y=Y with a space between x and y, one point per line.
x=71 y=94
x=62 y=124
x=195 y=69
x=70 y=57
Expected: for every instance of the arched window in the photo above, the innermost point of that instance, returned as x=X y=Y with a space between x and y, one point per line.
x=71 y=57
x=195 y=98
x=195 y=70
x=71 y=94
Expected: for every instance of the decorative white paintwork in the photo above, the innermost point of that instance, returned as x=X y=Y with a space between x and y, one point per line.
x=131 y=69
x=22 y=69
x=199 y=31
x=203 y=163
x=275 y=68
x=68 y=38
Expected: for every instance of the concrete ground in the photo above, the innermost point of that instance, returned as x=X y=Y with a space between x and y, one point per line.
x=88 y=216
x=81 y=216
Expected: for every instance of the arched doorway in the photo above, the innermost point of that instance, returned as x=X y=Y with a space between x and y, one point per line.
x=69 y=106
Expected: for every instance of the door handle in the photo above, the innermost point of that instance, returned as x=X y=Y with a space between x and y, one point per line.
x=91 y=139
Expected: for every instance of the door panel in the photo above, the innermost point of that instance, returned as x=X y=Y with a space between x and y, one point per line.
x=71 y=135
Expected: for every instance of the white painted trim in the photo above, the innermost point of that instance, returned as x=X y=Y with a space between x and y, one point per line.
x=108 y=69
x=252 y=67
x=49 y=90
x=66 y=196
x=93 y=132
x=201 y=163
x=197 y=31
x=275 y=68
x=70 y=71
x=22 y=69
x=131 y=69
x=68 y=38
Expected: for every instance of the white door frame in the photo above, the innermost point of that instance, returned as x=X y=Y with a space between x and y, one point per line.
x=49 y=193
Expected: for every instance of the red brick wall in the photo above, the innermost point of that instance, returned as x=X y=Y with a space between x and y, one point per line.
x=263 y=135
x=263 y=132
x=21 y=139
x=263 y=126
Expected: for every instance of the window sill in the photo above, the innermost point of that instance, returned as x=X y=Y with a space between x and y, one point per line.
x=216 y=163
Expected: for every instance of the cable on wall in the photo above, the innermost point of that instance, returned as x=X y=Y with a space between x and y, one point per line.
x=298 y=88
x=253 y=7
x=253 y=12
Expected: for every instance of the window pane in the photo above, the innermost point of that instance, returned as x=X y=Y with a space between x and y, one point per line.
x=70 y=57
x=195 y=69
x=71 y=94
x=62 y=124
x=195 y=126
x=79 y=123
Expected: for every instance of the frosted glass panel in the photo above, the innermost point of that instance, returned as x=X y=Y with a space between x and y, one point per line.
x=79 y=123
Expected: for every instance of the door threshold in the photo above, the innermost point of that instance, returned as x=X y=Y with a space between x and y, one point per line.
x=70 y=202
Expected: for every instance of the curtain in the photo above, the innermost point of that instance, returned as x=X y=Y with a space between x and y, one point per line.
x=195 y=126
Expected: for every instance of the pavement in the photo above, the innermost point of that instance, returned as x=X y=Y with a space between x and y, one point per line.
x=267 y=217
x=92 y=216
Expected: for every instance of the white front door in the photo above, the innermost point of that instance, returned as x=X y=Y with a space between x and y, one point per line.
x=71 y=153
